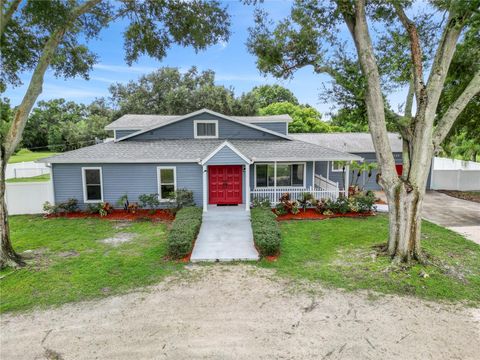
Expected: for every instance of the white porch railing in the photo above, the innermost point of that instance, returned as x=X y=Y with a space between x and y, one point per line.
x=274 y=194
x=324 y=183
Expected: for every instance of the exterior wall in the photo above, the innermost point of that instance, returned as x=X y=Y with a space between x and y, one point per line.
x=121 y=179
x=321 y=169
x=280 y=127
x=121 y=133
x=308 y=180
x=184 y=130
x=225 y=157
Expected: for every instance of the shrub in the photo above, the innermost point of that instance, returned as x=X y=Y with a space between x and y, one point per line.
x=364 y=202
x=280 y=209
x=266 y=232
x=94 y=208
x=184 y=198
x=50 y=209
x=123 y=202
x=262 y=203
x=320 y=206
x=306 y=200
x=341 y=206
x=184 y=232
x=132 y=208
x=149 y=201
x=71 y=205
x=102 y=208
x=286 y=205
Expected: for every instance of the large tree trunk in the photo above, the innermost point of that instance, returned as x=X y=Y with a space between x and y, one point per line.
x=8 y=256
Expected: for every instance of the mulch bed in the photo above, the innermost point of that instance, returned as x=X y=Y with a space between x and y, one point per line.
x=121 y=215
x=464 y=195
x=312 y=214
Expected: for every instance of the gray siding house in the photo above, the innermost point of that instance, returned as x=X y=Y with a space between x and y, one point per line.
x=223 y=160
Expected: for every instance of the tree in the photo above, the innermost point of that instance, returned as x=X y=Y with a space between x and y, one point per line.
x=167 y=91
x=305 y=118
x=265 y=95
x=47 y=34
x=307 y=37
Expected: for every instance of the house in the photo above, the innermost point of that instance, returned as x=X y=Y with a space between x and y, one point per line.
x=360 y=144
x=223 y=160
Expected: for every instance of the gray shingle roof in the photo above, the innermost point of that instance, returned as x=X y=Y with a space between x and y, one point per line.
x=349 y=142
x=140 y=122
x=194 y=150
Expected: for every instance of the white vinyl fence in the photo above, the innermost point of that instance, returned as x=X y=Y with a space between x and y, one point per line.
x=28 y=198
x=462 y=180
x=26 y=169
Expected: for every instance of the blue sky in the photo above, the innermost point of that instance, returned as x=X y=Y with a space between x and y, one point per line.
x=232 y=63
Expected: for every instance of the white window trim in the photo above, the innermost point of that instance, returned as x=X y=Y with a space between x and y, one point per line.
x=196 y=122
x=84 y=185
x=304 y=163
x=159 y=184
x=333 y=168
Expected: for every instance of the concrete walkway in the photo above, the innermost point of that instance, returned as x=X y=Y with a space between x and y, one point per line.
x=461 y=216
x=225 y=235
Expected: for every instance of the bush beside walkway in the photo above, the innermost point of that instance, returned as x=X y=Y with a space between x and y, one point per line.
x=266 y=233
x=184 y=231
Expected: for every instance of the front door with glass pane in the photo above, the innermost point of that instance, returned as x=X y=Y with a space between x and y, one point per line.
x=225 y=184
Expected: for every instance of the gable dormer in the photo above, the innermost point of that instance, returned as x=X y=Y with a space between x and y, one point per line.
x=205 y=124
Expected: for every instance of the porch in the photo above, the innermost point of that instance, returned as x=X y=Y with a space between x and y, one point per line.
x=323 y=188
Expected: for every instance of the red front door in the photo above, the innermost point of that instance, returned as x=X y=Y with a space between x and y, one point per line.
x=225 y=184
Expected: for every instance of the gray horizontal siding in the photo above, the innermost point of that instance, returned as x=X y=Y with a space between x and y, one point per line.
x=121 y=179
x=184 y=130
x=121 y=133
x=280 y=127
x=225 y=157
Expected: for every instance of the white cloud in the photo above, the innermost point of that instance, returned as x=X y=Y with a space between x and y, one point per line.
x=103 y=79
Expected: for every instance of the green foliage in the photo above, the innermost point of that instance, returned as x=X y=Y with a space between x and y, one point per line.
x=265 y=95
x=262 y=203
x=362 y=202
x=184 y=231
x=184 y=198
x=305 y=118
x=50 y=209
x=286 y=205
x=149 y=201
x=306 y=200
x=24 y=155
x=266 y=232
x=71 y=205
x=123 y=202
x=102 y=208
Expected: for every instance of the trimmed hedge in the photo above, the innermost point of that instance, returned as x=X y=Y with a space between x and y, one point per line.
x=266 y=232
x=184 y=231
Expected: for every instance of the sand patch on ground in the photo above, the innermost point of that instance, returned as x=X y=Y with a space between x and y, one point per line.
x=242 y=312
x=119 y=239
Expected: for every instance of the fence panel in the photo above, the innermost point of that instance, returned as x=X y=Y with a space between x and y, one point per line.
x=462 y=180
x=28 y=198
x=26 y=169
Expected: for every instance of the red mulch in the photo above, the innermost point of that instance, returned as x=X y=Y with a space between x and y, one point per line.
x=272 y=258
x=121 y=215
x=312 y=214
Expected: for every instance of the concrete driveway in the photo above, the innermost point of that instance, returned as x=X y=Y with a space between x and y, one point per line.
x=225 y=235
x=459 y=215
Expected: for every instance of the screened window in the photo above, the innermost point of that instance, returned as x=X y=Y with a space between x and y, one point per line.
x=206 y=129
x=337 y=166
x=166 y=182
x=287 y=175
x=92 y=184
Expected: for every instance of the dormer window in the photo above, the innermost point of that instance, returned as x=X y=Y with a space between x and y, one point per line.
x=205 y=129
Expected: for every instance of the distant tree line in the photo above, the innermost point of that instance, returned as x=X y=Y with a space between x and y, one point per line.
x=60 y=125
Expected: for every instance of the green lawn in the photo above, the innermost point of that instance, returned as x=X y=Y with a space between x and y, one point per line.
x=70 y=263
x=39 y=178
x=339 y=252
x=27 y=155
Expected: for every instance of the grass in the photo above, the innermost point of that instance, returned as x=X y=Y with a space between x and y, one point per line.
x=39 y=178
x=24 y=155
x=340 y=252
x=71 y=264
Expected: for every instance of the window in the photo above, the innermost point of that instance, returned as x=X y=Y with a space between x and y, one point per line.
x=205 y=129
x=287 y=175
x=92 y=184
x=167 y=182
x=337 y=166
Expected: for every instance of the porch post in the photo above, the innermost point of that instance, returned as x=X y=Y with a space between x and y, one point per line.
x=274 y=182
x=313 y=175
x=205 y=192
x=328 y=170
x=347 y=170
x=247 y=187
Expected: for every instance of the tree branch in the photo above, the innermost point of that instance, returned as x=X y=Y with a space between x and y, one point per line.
x=448 y=119
x=14 y=135
x=5 y=18
x=415 y=50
